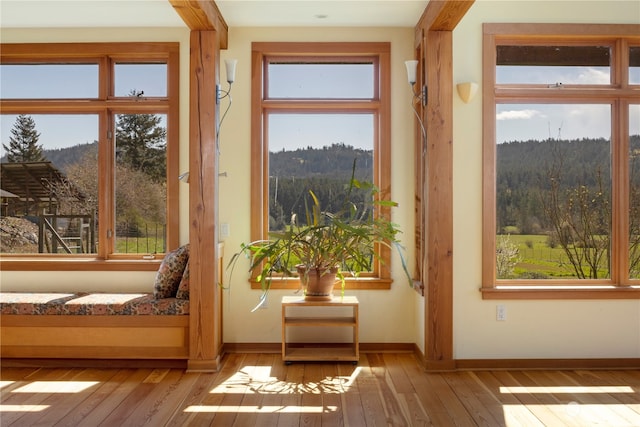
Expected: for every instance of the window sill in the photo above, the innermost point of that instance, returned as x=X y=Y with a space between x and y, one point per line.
x=78 y=264
x=561 y=292
x=362 y=283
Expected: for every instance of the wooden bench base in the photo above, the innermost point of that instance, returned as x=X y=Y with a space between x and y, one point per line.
x=94 y=337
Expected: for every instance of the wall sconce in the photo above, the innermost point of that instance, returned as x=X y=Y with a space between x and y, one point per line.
x=412 y=70
x=230 y=65
x=467 y=91
x=184 y=177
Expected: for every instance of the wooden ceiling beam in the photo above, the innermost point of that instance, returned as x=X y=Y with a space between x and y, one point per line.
x=443 y=15
x=203 y=15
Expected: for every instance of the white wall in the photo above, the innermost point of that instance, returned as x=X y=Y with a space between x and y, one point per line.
x=533 y=329
x=386 y=316
x=95 y=281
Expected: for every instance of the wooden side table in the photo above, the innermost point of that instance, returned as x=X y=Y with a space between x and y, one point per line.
x=339 y=352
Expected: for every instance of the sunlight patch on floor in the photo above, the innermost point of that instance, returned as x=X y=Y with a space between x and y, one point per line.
x=56 y=387
x=567 y=389
x=258 y=380
x=352 y=378
x=23 y=408
x=583 y=414
x=3 y=384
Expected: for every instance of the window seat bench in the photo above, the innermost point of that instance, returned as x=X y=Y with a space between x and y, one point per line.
x=93 y=326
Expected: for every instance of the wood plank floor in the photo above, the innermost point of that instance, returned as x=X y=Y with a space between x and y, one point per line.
x=383 y=389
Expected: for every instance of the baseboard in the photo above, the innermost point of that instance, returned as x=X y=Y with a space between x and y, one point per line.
x=199 y=365
x=374 y=347
x=555 y=364
x=277 y=347
x=439 y=365
x=235 y=347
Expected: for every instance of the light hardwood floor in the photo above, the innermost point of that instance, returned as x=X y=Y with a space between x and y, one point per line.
x=383 y=389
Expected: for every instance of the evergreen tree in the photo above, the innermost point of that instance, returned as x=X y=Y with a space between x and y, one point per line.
x=23 y=142
x=141 y=144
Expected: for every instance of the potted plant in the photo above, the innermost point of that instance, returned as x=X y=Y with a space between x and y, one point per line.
x=329 y=247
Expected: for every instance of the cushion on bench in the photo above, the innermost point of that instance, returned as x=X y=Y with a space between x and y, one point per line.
x=33 y=302
x=170 y=273
x=90 y=304
x=170 y=296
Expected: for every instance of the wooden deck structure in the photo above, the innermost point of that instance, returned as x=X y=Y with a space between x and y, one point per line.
x=32 y=187
x=383 y=389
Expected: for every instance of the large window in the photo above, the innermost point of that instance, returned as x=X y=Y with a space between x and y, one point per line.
x=317 y=109
x=562 y=132
x=89 y=154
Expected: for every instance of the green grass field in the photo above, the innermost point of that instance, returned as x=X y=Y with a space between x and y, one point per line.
x=140 y=245
x=539 y=260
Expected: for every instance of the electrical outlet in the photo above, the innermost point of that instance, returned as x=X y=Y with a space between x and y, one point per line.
x=501 y=312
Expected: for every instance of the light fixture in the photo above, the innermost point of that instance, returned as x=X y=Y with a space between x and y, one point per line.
x=412 y=72
x=467 y=91
x=184 y=177
x=230 y=66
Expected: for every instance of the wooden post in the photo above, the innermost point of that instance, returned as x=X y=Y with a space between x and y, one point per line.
x=205 y=328
x=434 y=41
x=439 y=124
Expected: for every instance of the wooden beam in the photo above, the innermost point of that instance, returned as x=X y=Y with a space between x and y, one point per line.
x=443 y=15
x=439 y=124
x=434 y=43
x=202 y=15
x=205 y=328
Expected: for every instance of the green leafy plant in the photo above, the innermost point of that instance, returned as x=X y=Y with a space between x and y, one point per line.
x=346 y=240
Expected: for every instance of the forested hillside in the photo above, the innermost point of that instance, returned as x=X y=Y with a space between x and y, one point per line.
x=527 y=169
x=62 y=158
x=326 y=171
x=335 y=161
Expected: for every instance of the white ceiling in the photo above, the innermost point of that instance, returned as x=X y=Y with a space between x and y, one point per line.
x=237 y=13
x=351 y=13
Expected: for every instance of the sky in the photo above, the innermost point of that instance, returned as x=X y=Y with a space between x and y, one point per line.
x=514 y=121
x=345 y=81
x=317 y=131
x=517 y=122
x=71 y=81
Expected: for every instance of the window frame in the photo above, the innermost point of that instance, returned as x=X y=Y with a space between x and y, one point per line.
x=379 y=106
x=618 y=94
x=106 y=106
